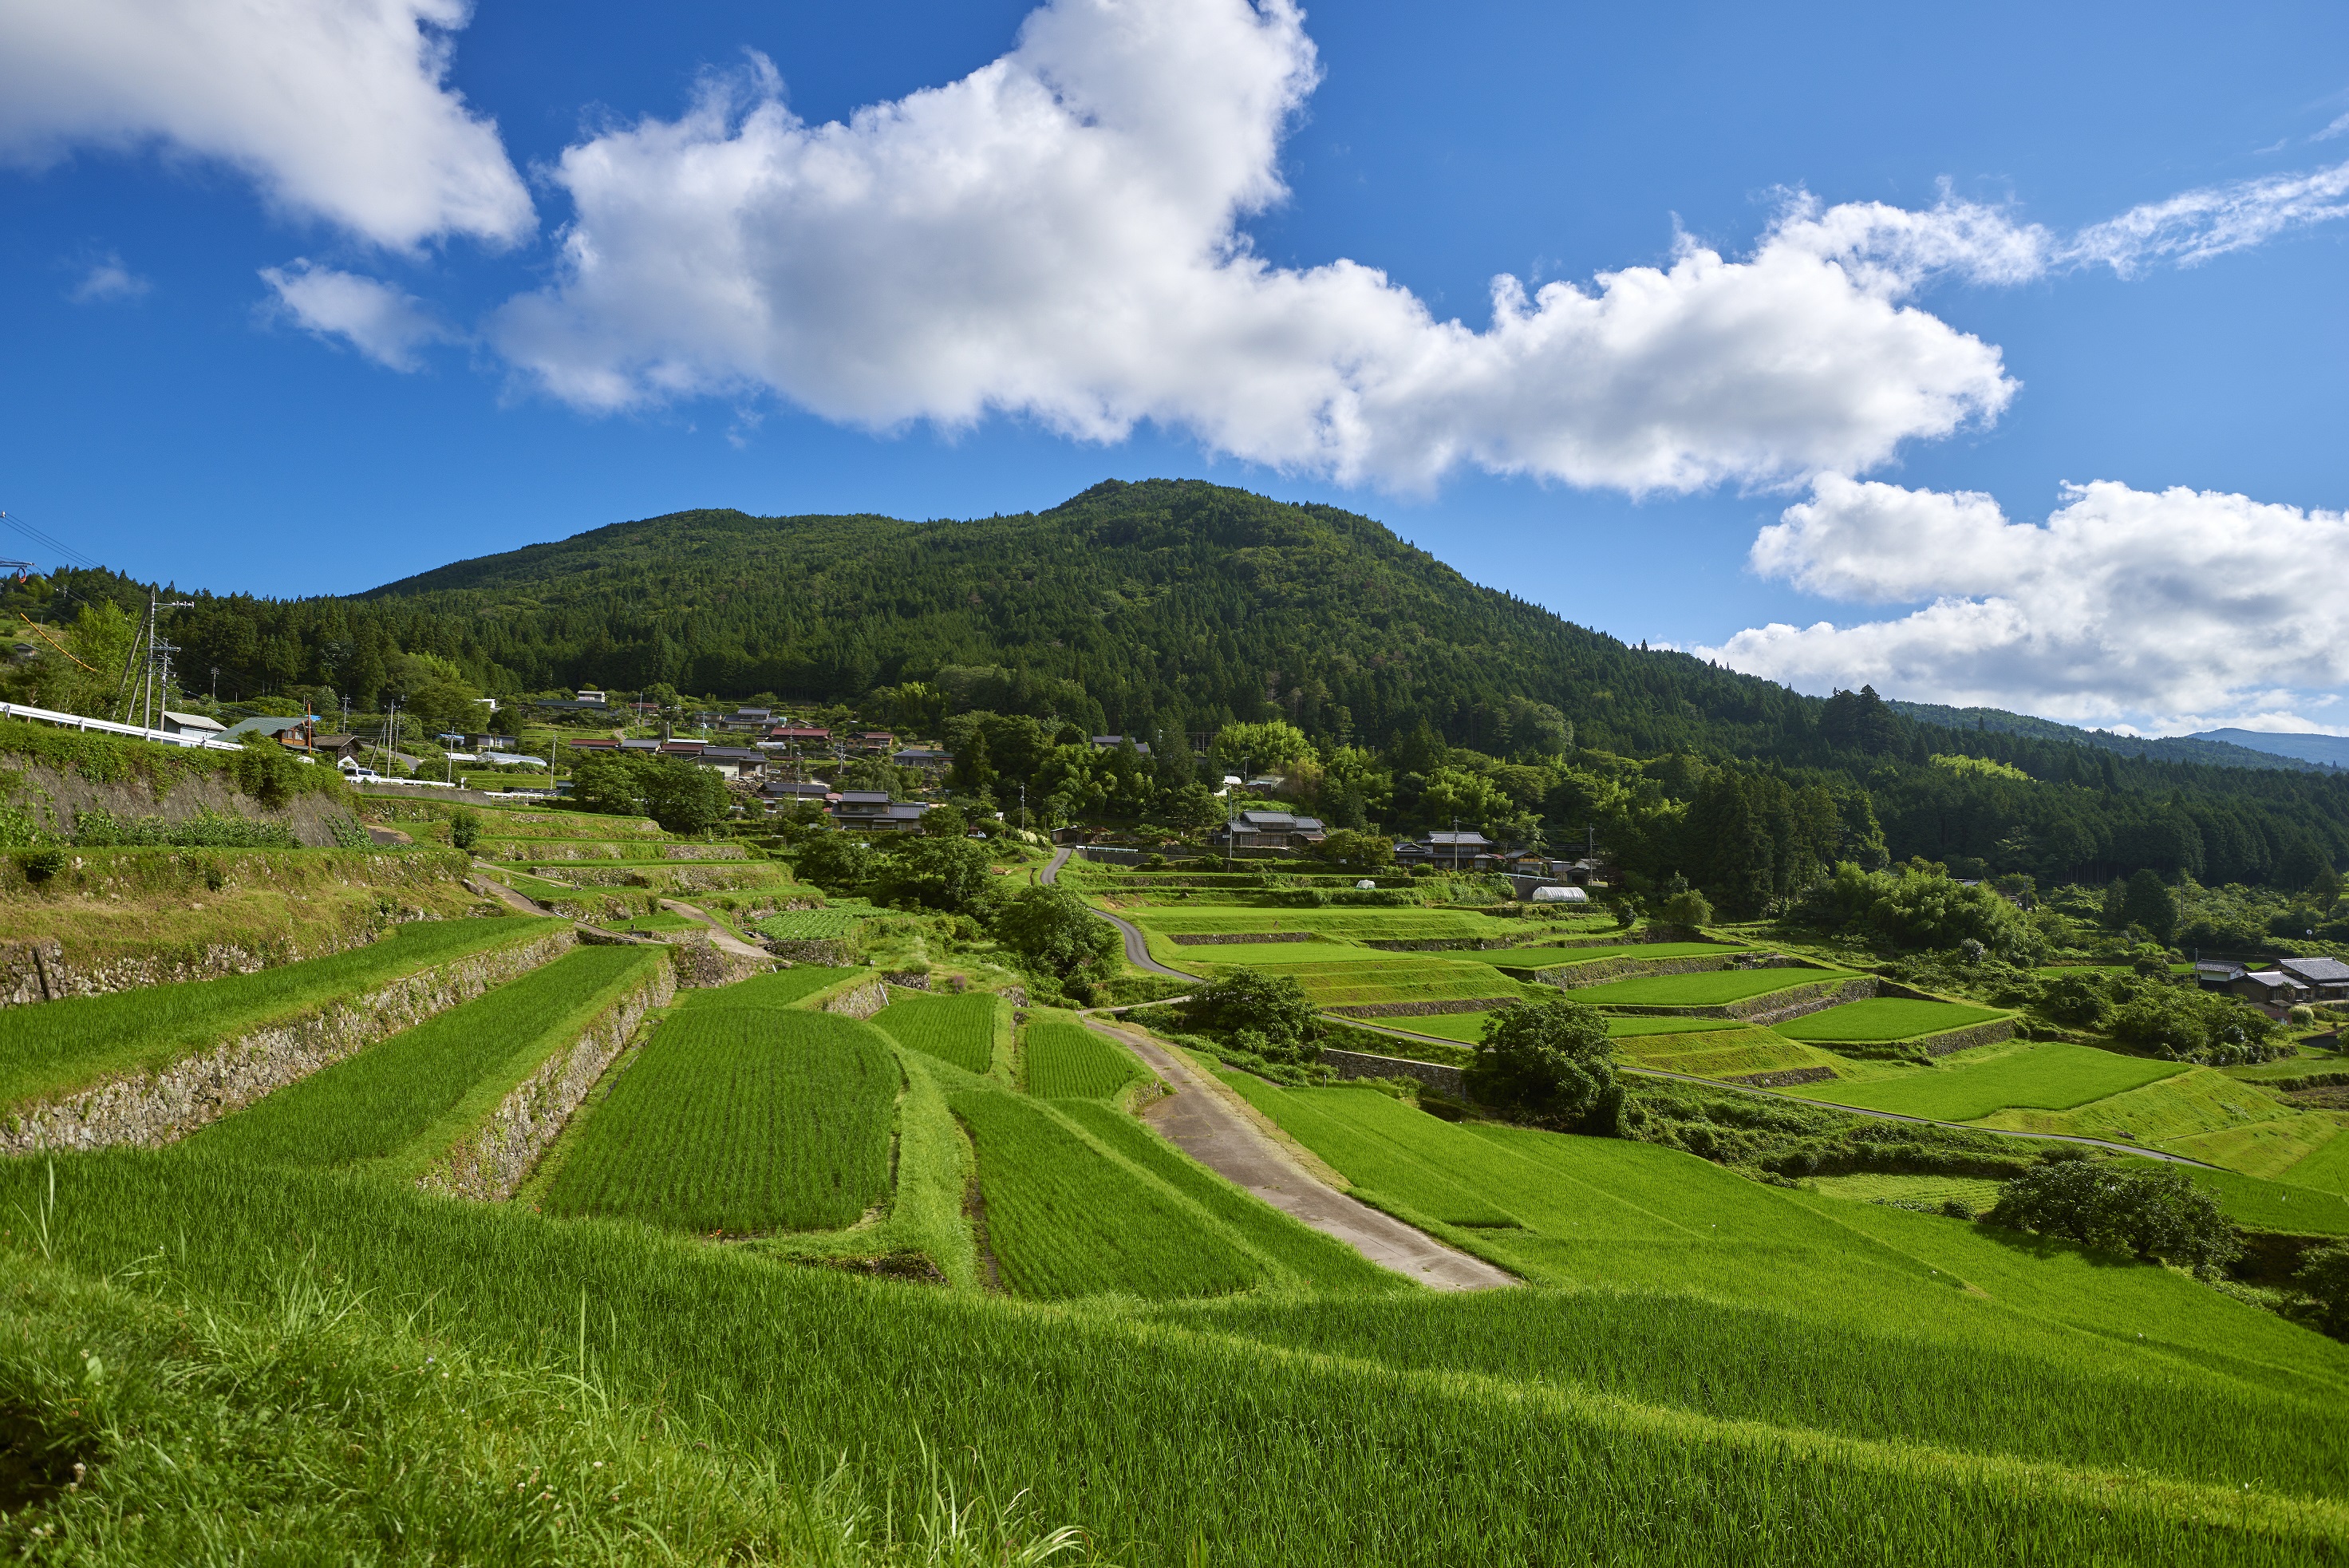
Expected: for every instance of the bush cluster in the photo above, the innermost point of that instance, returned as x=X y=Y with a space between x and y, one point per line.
x=2155 y=1213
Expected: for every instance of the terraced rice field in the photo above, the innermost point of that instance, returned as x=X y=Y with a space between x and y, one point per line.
x=1709 y=988
x=1723 y=1053
x=957 y=1029
x=1637 y=1025
x=400 y=1090
x=2169 y=1108
x=1065 y=1219
x=2045 y=1076
x=1063 y=1060
x=1884 y=1018
x=1356 y=925
x=1827 y=1386
x=808 y=925
x=2326 y=1169
x=2292 y=1207
x=738 y=1119
x=1807 y=1311
x=1401 y=978
x=57 y=1046
x=1554 y=957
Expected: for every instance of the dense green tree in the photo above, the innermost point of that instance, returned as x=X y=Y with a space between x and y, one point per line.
x=1271 y=1007
x=2147 y=903
x=1351 y=851
x=2158 y=1213
x=1055 y=930
x=835 y=862
x=955 y=875
x=2323 y=1275
x=1550 y=1062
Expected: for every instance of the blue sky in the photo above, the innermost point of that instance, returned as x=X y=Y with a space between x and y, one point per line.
x=1957 y=315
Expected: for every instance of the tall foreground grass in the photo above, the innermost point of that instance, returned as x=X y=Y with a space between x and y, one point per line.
x=1175 y=1442
x=738 y=1119
x=305 y=1426
x=57 y=1046
x=391 y=1094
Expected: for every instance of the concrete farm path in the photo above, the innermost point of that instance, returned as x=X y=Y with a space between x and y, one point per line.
x=1200 y=1119
x=722 y=939
x=1137 y=946
x=1406 y=1034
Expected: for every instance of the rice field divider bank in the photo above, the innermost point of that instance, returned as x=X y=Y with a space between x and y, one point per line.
x=148 y=1068
x=1608 y=965
x=411 y=1105
x=501 y=1136
x=1901 y=1028
x=1751 y=996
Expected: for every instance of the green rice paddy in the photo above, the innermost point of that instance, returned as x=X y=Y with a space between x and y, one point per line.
x=1063 y=1060
x=738 y=1119
x=2043 y=1078
x=957 y=1029
x=1884 y=1018
x=55 y=1047
x=1065 y=1218
x=1711 y=988
x=388 y=1097
x=807 y=925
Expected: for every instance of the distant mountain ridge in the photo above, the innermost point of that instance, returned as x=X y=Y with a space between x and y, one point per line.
x=2328 y=751
x=2215 y=748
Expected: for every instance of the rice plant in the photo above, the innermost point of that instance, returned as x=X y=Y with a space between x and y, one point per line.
x=57 y=1046
x=1067 y=1061
x=740 y=1119
x=2046 y=1076
x=1883 y=1018
x=957 y=1029
x=1065 y=1219
x=384 y=1099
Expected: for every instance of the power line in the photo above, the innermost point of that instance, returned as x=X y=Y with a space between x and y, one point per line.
x=48 y=541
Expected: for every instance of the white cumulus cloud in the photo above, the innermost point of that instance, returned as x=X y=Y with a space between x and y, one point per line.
x=1056 y=236
x=2169 y=610
x=386 y=324
x=337 y=109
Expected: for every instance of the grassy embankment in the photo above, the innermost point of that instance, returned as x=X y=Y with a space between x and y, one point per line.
x=56 y=1047
x=414 y=1094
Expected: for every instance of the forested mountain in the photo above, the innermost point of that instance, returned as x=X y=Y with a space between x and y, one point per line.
x=2217 y=748
x=1169 y=607
x=2326 y=750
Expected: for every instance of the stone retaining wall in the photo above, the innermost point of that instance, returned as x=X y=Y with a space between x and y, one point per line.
x=1447 y=1081
x=909 y=979
x=829 y=953
x=1949 y=1043
x=158 y=1108
x=38 y=971
x=702 y=964
x=859 y=1001
x=492 y=1162
x=1785 y=1078
x=1421 y=1008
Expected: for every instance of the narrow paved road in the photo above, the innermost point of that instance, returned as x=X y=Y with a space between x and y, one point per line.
x=1137 y=946
x=1200 y=1120
x=1406 y=1034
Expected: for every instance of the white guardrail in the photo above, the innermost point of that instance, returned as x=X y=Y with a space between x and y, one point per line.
x=107 y=726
